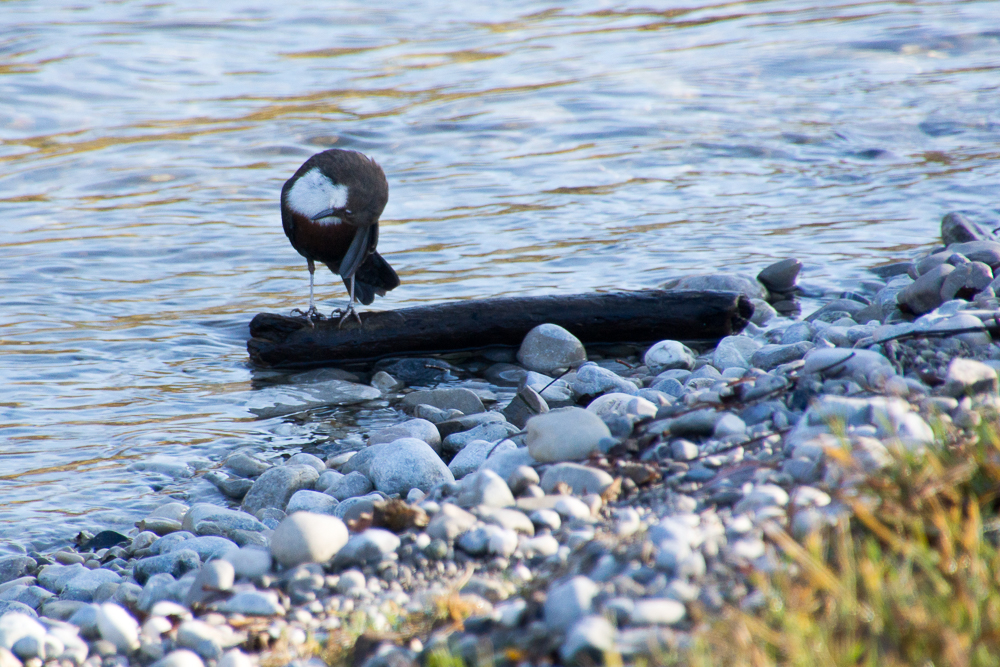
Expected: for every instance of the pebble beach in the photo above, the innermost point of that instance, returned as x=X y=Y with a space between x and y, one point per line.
x=552 y=504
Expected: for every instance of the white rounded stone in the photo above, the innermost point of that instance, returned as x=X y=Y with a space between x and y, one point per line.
x=305 y=537
x=118 y=627
x=667 y=355
x=565 y=434
x=549 y=347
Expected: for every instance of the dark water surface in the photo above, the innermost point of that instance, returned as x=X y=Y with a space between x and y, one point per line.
x=530 y=148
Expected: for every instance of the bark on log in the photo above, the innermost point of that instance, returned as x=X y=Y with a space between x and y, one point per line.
x=614 y=317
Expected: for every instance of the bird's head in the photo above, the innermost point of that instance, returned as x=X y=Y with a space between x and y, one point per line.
x=338 y=185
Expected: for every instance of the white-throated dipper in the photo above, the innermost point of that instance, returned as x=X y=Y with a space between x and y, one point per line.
x=330 y=210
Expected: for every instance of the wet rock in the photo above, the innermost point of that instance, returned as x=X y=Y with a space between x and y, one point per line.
x=231 y=487
x=386 y=383
x=245 y=464
x=315 y=502
x=456 y=398
x=581 y=479
x=780 y=276
x=32 y=596
x=568 y=601
x=763 y=312
x=367 y=548
x=304 y=537
x=421 y=371
x=969 y=377
x=469 y=422
x=277 y=401
x=15 y=566
x=621 y=405
x=565 y=434
x=413 y=428
x=276 y=486
x=491 y=431
x=176 y=564
x=82 y=586
x=592 y=380
x=734 y=352
x=924 y=294
x=984 y=251
x=207 y=547
x=797 y=333
x=406 y=464
x=835 y=310
x=169 y=542
x=15 y=607
x=474 y=455
x=327 y=480
x=302 y=458
x=525 y=405
x=435 y=415
x=549 y=348
x=957 y=228
x=55 y=577
x=351 y=485
x=772 y=356
x=966 y=281
x=668 y=355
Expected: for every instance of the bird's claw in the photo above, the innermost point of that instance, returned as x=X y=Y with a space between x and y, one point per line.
x=311 y=315
x=344 y=314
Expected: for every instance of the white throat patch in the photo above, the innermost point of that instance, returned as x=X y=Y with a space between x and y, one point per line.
x=313 y=193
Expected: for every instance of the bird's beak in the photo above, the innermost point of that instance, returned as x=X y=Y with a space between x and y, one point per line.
x=325 y=214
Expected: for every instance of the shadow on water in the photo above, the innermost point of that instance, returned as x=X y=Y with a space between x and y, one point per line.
x=530 y=148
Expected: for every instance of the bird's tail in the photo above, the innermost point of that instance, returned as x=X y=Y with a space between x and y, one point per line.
x=374 y=276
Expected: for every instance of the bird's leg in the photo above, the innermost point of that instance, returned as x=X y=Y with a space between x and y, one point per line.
x=312 y=270
x=312 y=313
x=350 y=308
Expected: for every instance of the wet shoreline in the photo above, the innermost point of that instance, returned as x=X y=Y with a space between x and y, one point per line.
x=556 y=504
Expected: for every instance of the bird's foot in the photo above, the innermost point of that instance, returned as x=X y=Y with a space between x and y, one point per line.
x=344 y=314
x=312 y=315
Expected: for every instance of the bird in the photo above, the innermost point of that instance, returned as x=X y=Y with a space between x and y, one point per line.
x=330 y=210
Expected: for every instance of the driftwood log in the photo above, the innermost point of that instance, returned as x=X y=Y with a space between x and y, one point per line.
x=614 y=317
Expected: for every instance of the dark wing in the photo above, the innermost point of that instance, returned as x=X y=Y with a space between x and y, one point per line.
x=374 y=276
x=287 y=222
x=361 y=246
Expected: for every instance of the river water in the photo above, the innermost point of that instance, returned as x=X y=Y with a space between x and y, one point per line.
x=530 y=147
